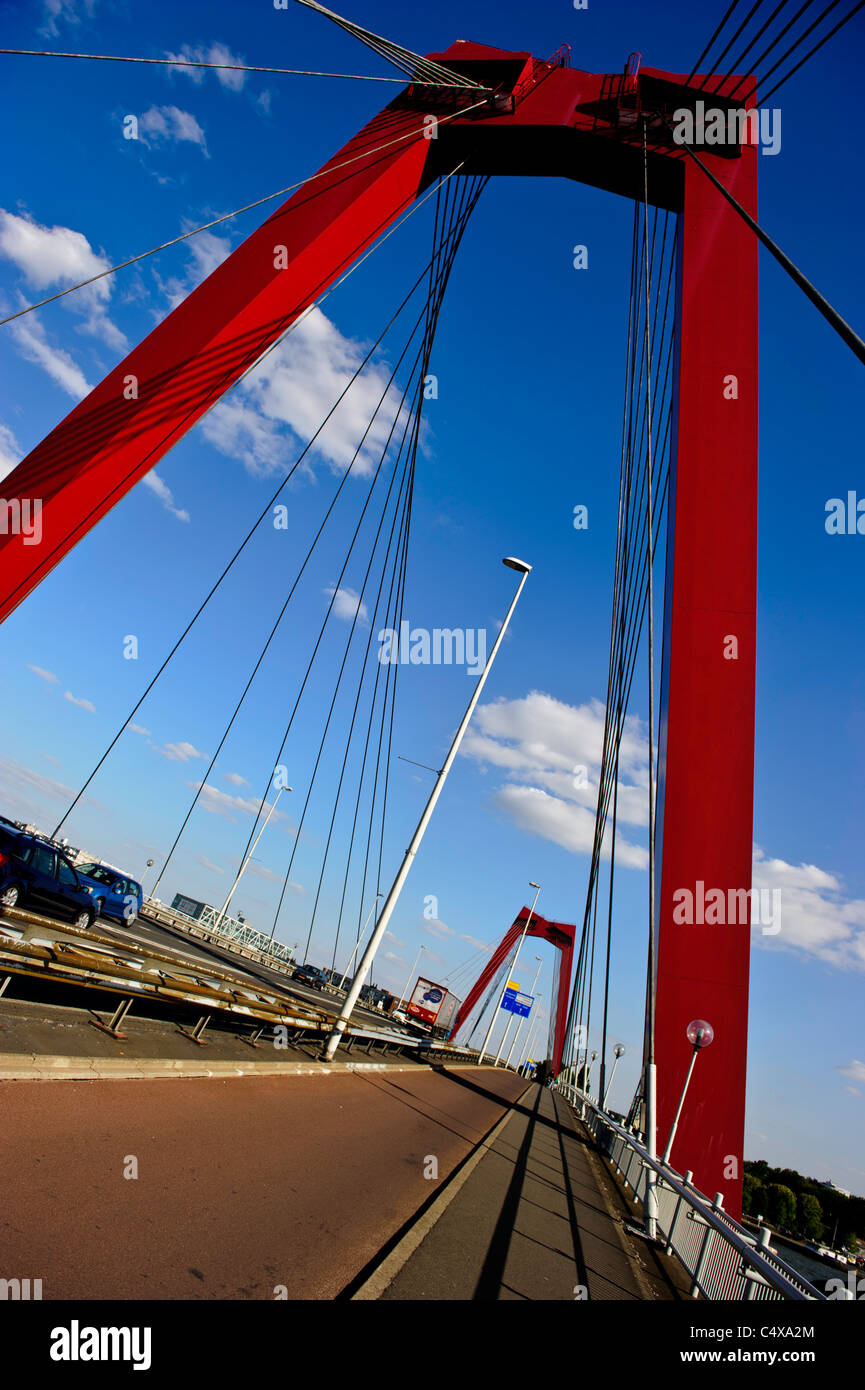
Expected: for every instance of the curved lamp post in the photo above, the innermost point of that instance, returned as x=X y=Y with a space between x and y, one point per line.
x=699 y=1034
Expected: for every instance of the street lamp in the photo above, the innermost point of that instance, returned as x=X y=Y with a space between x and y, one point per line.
x=699 y=1034
x=350 y=1000
x=411 y=973
x=248 y=857
x=508 y=973
x=618 y=1051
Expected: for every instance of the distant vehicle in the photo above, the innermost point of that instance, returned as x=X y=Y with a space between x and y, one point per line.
x=310 y=975
x=35 y=874
x=117 y=896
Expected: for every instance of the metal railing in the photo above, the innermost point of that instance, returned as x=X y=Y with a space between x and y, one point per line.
x=229 y=932
x=722 y=1258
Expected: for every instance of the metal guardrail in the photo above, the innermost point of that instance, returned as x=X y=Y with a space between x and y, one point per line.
x=39 y=947
x=722 y=1257
x=234 y=936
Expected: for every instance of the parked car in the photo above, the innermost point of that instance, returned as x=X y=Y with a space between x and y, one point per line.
x=117 y=896
x=310 y=975
x=35 y=874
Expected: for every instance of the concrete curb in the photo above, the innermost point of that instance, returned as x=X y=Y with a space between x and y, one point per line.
x=29 y=1067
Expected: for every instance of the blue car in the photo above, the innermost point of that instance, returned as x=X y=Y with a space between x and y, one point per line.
x=36 y=874
x=114 y=893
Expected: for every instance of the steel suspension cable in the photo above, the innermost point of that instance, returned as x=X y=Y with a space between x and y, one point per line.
x=280 y=192
x=449 y=245
x=278 y=758
x=832 y=317
x=239 y=704
x=238 y=552
x=189 y=63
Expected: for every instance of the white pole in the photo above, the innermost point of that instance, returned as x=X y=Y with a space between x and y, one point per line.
x=669 y=1147
x=511 y=1017
x=510 y=970
x=616 y=1055
x=393 y=896
x=530 y=1044
x=359 y=940
x=248 y=857
x=651 y=1194
x=522 y=1020
x=411 y=973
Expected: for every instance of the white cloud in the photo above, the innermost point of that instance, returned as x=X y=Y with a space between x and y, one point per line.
x=49 y=256
x=31 y=339
x=65 y=11
x=161 y=490
x=220 y=803
x=855 y=1070
x=206 y=864
x=44 y=675
x=23 y=790
x=550 y=754
x=279 y=405
x=172 y=124
x=139 y=729
x=82 y=704
x=236 y=780
x=182 y=752
x=10 y=451
x=259 y=871
x=346 y=603
x=210 y=53
x=813 y=915
x=206 y=251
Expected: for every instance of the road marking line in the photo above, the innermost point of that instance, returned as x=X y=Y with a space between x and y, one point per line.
x=382 y=1277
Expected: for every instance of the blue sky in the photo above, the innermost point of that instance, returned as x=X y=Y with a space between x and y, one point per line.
x=529 y=359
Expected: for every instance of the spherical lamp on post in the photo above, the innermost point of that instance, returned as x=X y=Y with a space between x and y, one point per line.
x=699 y=1034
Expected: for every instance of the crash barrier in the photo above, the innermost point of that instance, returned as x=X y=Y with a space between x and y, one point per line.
x=39 y=948
x=231 y=935
x=722 y=1258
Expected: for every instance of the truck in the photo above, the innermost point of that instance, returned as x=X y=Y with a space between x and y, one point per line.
x=433 y=1005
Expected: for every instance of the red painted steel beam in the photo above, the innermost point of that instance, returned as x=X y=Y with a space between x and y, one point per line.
x=559 y=934
x=707 y=750
x=114 y=436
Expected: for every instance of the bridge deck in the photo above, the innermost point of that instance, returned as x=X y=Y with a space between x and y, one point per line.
x=536 y=1219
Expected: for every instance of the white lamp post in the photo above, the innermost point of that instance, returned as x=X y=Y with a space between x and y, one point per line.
x=699 y=1034
x=618 y=1051
x=411 y=973
x=340 y=1023
x=240 y=871
x=510 y=970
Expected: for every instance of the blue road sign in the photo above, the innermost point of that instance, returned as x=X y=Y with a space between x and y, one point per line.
x=517 y=1003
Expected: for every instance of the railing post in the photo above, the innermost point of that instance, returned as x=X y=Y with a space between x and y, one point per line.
x=704 y=1248
x=688 y=1179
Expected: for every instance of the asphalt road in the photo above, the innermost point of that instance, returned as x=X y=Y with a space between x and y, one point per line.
x=244 y=1187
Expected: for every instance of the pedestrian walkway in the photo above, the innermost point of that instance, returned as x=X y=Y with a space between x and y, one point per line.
x=535 y=1219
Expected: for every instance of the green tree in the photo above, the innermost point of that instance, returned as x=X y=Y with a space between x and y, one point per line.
x=753 y=1196
x=810 y=1217
x=781 y=1203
